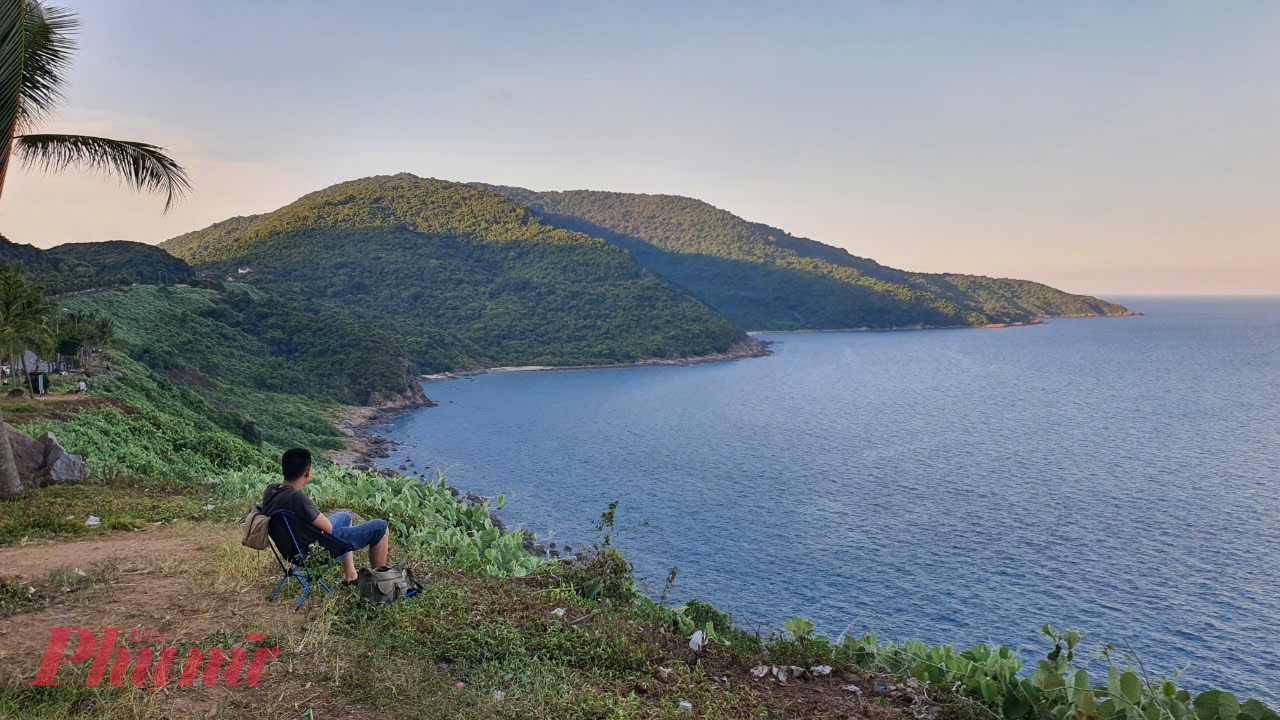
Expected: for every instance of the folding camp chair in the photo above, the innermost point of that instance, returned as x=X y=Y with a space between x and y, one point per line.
x=297 y=568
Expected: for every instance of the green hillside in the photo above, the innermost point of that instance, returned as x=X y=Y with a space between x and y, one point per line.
x=764 y=278
x=200 y=242
x=78 y=266
x=261 y=363
x=230 y=338
x=436 y=259
x=30 y=256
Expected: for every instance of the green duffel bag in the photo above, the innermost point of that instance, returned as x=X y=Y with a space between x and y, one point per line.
x=387 y=584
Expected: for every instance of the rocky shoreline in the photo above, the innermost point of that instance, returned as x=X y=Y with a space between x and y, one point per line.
x=1130 y=313
x=749 y=348
x=1040 y=320
x=898 y=328
x=360 y=448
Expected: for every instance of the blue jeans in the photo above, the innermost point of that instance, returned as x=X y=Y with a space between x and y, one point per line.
x=364 y=535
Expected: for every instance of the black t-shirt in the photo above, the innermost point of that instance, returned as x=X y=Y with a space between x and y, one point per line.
x=282 y=497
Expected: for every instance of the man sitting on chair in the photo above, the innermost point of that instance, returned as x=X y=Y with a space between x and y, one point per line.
x=288 y=495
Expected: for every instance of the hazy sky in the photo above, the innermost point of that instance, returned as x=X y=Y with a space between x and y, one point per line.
x=1095 y=147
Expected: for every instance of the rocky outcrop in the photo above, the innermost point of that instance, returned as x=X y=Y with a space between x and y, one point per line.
x=361 y=447
x=43 y=461
x=413 y=396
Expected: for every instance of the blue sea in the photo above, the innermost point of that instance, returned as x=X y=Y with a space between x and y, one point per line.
x=1119 y=476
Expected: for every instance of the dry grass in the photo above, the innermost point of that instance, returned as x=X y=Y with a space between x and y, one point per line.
x=62 y=586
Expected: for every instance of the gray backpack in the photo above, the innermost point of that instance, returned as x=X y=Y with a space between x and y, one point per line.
x=387 y=584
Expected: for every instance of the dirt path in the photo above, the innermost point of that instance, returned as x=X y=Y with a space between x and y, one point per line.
x=146 y=592
x=133 y=550
x=162 y=579
x=137 y=602
x=24 y=410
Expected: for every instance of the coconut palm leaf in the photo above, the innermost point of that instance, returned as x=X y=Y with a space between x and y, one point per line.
x=48 y=43
x=140 y=165
x=12 y=13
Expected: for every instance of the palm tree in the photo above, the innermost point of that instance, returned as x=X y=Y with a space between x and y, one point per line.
x=24 y=324
x=36 y=46
x=90 y=330
x=73 y=335
x=24 y=313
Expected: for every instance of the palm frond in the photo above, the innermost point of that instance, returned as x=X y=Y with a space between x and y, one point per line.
x=12 y=13
x=48 y=44
x=140 y=165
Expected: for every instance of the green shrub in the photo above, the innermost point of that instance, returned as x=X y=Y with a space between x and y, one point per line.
x=425 y=517
x=1057 y=689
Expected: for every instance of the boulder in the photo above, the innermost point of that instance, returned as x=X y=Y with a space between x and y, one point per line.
x=28 y=455
x=43 y=461
x=530 y=543
x=60 y=466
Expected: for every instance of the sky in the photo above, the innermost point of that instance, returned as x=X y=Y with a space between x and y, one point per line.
x=1102 y=148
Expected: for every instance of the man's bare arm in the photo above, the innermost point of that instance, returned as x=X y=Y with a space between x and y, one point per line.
x=323 y=523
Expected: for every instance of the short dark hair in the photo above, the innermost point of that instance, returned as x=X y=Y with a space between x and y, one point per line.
x=295 y=463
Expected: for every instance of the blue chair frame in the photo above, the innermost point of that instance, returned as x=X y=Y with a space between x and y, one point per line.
x=301 y=573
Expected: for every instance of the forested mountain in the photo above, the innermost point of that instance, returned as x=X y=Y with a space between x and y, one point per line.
x=463 y=276
x=77 y=266
x=200 y=242
x=123 y=261
x=28 y=255
x=764 y=278
x=355 y=287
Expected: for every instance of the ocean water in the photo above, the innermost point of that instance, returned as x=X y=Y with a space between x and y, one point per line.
x=1119 y=476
